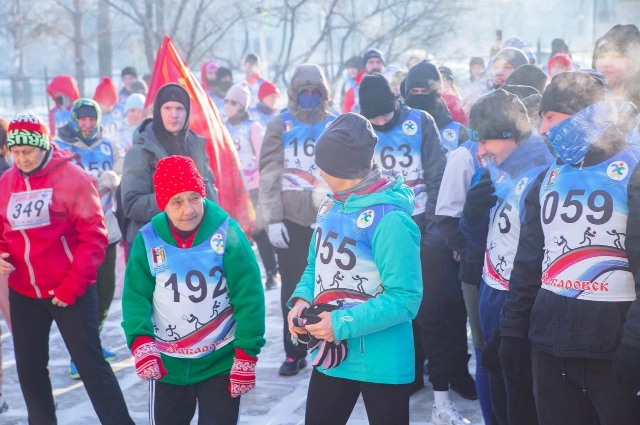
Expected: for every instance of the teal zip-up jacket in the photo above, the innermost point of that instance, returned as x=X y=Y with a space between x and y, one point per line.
x=378 y=331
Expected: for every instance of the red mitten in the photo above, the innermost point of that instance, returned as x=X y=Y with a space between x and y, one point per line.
x=148 y=362
x=242 y=378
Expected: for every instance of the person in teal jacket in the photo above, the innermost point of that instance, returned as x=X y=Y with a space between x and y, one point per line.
x=362 y=286
x=193 y=304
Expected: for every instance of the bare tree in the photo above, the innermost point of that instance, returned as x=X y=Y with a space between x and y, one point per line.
x=105 y=46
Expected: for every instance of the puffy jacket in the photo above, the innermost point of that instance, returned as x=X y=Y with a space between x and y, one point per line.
x=563 y=326
x=105 y=183
x=378 y=331
x=138 y=196
x=298 y=207
x=64 y=255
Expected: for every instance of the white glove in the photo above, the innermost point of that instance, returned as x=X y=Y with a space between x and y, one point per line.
x=278 y=235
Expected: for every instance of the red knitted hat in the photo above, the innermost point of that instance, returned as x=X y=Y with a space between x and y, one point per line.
x=106 y=93
x=267 y=88
x=562 y=59
x=174 y=175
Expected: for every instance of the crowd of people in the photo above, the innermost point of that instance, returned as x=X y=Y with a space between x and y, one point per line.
x=506 y=202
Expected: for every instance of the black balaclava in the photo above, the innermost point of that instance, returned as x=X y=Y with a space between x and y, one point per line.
x=425 y=75
x=171 y=142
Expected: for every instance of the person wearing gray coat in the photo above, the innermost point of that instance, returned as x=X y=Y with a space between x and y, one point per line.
x=164 y=135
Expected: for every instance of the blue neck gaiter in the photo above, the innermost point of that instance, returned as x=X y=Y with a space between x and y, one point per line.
x=572 y=137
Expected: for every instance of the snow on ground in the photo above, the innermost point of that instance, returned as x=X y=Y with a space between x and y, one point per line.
x=275 y=401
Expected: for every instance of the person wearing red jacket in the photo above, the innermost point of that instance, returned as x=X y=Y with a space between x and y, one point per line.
x=52 y=241
x=374 y=63
x=63 y=89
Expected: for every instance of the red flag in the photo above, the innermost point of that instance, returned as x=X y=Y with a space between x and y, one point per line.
x=206 y=121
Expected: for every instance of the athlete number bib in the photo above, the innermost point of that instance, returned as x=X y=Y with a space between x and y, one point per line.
x=400 y=149
x=28 y=210
x=192 y=315
x=584 y=215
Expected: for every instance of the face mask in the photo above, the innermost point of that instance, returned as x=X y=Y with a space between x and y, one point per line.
x=389 y=125
x=224 y=86
x=210 y=83
x=572 y=137
x=431 y=103
x=309 y=101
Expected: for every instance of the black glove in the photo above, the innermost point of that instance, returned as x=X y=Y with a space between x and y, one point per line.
x=311 y=316
x=480 y=197
x=626 y=366
x=512 y=356
x=490 y=359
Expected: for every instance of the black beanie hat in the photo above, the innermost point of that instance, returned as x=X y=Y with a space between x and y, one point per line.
x=345 y=149
x=223 y=72
x=424 y=75
x=167 y=93
x=515 y=57
x=129 y=70
x=376 y=96
x=354 y=62
x=498 y=115
x=623 y=39
x=571 y=92
x=372 y=53
x=476 y=61
x=528 y=75
x=521 y=91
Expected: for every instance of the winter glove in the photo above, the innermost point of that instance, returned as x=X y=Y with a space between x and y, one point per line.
x=626 y=366
x=108 y=180
x=490 y=358
x=512 y=356
x=480 y=198
x=278 y=235
x=242 y=378
x=330 y=354
x=148 y=362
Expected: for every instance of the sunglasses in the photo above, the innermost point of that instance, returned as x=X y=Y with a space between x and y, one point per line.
x=230 y=102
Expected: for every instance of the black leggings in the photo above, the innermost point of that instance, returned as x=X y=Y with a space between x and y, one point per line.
x=176 y=404
x=292 y=262
x=106 y=283
x=569 y=390
x=331 y=401
x=78 y=325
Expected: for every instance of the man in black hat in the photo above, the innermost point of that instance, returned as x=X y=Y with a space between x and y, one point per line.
x=374 y=63
x=574 y=286
x=166 y=134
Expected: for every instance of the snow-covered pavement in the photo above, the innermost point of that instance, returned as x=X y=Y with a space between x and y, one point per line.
x=276 y=400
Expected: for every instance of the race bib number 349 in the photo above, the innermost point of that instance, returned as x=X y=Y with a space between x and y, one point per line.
x=28 y=210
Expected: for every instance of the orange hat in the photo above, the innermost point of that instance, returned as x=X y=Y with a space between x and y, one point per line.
x=267 y=88
x=106 y=93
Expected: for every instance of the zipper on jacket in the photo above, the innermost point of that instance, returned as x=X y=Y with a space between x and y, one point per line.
x=27 y=250
x=362 y=345
x=186 y=371
x=67 y=251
